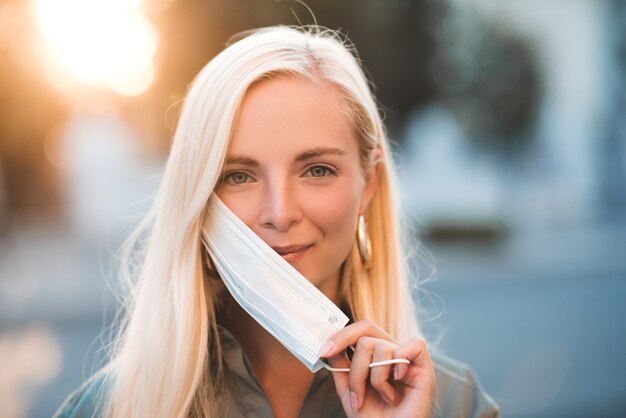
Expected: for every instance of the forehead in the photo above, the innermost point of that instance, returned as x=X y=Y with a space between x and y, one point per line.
x=286 y=115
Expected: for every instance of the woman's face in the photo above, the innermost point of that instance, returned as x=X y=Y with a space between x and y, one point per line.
x=293 y=176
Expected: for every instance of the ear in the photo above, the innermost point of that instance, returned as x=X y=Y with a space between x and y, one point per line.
x=371 y=179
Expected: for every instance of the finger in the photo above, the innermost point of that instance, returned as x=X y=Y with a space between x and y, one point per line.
x=420 y=373
x=360 y=367
x=341 y=379
x=379 y=376
x=350 y=335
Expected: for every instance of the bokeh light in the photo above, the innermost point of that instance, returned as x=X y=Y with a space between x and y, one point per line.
x=35 y=359
x=101 y=42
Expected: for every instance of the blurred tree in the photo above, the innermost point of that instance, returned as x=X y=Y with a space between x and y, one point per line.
x=489 y=77
x=394 y=40
x=613 y=148
x=29 y=108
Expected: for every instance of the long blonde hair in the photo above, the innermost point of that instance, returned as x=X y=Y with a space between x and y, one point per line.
x=166 y=360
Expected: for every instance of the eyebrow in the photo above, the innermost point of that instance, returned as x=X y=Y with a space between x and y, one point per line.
x=242 y=160
x=303 y=156
x=316 y=152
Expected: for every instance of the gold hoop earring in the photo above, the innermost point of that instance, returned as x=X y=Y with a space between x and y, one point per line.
x=363 y=240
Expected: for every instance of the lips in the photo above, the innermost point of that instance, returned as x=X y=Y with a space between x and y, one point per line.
x=288 y=249
x=291 y=252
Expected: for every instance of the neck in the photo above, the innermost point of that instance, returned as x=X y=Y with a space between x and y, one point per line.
x=258 y=344
x=267 y=355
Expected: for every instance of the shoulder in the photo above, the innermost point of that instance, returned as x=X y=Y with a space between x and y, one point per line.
x=86 y=401
x=459 y=394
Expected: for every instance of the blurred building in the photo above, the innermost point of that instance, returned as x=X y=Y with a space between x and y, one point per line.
x=507 y=120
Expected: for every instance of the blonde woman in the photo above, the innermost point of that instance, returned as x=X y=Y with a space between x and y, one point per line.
x=282 y=128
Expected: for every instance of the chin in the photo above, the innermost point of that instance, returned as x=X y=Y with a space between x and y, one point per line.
x=328 y=285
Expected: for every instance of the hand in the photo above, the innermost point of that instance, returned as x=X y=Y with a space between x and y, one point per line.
x=397 y=390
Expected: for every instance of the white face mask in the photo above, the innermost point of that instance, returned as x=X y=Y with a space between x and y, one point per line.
x=270 y=289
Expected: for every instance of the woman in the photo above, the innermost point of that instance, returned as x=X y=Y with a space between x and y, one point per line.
x=282 y=128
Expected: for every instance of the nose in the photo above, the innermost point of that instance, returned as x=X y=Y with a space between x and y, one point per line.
x=280 y=208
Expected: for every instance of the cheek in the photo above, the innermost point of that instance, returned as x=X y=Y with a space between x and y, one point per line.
x=335 y=214
x=336 y=217
x=240 y=206
x=339 y=203
x=336 y=223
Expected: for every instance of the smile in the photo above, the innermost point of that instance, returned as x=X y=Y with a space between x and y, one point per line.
x=292 y=252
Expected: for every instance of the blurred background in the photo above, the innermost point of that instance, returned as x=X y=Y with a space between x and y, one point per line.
x=508 y=119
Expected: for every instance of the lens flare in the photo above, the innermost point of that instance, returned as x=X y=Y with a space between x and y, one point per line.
x=101 y=42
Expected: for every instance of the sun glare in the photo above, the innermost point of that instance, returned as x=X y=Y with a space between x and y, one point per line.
x=101 y=42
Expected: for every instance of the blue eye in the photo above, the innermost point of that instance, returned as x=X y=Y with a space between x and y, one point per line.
x=320 y=171
x=236 y=178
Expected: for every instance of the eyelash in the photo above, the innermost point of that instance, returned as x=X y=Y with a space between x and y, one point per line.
x=328 y=170
x=228 y=176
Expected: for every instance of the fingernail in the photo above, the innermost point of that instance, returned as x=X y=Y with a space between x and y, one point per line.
x=354 y=401
x=387 y=399
x=399 y=370
x=327 y=348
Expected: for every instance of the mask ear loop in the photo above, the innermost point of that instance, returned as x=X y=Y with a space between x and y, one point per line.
x=374 y=364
